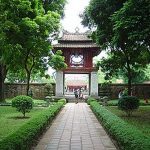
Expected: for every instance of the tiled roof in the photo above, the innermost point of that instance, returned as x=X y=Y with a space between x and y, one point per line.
x=75 y=37
x=76 y=45
x=75 y=40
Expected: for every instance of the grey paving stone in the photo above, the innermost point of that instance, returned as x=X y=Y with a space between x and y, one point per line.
x=75 y=128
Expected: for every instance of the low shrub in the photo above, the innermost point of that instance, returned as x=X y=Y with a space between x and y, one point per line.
x=128 y=104
x=25 y=136
x=113 y=102
x=127 y=136
x=62 y=100
x=22 y=103
x=90 y=99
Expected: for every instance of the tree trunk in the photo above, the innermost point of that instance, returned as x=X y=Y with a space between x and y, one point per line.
x=129 y=79
x=28 y=82
x=129 y=86
x=2 y=79
x=28 y=70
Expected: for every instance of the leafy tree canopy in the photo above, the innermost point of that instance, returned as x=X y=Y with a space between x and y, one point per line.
x=25 y=29
x=118 y=28
x=57 y=61
x=134 y=19
x=54 y=5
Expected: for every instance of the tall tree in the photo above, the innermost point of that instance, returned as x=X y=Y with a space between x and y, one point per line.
x=110 y=34
x=54 y=5
x=134 y=18
x=128 y=38
x=25 y=29
x=115 y=65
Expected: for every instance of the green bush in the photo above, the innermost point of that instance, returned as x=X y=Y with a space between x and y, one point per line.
x=90 y=99
x=62 y=100
x=128 y=104
x=127 y=136
x=22 y=103
x=113 y=102
x=48 y=89
x=26 y=135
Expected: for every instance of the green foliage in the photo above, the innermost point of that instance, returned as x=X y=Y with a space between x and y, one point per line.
x=36 y=76
x=115 y=65
x=112 y=103
x=49 y=89
x=115 y=103
x=140 y=119
x=11 y=121
x=128 y=104
x=125 y=92
x=16 y=77
x=23 y=103
x=62 y=101
x=90 y=99
x=127 y=136
x=25 y=31
x=118 y=32
x=57 y=5
x=57 y=61
x=25 y=136
x=133 y=19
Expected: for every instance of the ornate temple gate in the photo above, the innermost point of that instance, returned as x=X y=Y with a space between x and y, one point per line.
x=78 y=51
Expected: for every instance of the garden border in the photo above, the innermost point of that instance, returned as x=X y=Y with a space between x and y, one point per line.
x=127 y=137
x=25 y=136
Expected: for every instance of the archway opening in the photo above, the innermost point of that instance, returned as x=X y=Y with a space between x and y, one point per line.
x=74 y=82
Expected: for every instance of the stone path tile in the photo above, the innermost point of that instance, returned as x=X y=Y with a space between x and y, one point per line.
x=75 y=128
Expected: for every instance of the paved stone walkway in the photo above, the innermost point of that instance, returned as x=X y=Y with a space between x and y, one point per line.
x=75 y=128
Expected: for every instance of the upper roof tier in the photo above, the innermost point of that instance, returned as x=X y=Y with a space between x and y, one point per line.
x=75 y=40
x=75 y=37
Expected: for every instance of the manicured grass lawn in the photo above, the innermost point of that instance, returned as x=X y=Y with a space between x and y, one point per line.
x=115 y=102
x=140 y=118
x=11 y=120
x=34 y=100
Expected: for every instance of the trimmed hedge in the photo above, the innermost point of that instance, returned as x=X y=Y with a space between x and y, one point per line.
x=63 y=101
x=24 y=137
x=113 y=103
x=127 y=136
x=90 y=99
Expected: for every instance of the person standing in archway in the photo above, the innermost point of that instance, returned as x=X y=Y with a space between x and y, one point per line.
x=81 y=93
x=76 y=94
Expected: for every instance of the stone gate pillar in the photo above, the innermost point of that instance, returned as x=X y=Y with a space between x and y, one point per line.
x=94 y=84
x=59 y=83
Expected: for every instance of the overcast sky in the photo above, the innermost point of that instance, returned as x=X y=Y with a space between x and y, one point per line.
x=72 y=10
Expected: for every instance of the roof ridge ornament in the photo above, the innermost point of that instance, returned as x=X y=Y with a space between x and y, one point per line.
x=65 y=32
x=77 y=30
